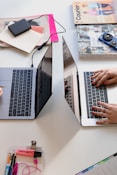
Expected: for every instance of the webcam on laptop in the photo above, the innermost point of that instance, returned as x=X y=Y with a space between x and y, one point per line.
x=109 y=39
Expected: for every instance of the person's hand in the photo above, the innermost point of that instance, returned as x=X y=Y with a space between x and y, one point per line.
x=1 y=91
x=104 y=76
x=109 y=111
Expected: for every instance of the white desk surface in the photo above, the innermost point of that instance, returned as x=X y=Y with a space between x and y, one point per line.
x=68 y=147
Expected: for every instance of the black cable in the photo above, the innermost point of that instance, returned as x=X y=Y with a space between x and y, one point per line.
x=38 y=48
x=45 y=43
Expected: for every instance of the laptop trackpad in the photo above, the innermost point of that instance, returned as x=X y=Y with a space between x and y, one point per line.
x=112 y=93
x=5 y=99
x=6 y=74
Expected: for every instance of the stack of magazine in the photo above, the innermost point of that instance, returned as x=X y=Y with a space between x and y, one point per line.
x=92 y=18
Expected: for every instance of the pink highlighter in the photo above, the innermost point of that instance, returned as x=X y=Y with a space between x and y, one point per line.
x=25 y=152
x=28 y=152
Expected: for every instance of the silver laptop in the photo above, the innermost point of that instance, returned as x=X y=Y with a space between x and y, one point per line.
x=26 y=90
x=79 y=92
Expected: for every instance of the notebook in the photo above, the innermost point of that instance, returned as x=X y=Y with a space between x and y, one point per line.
x=26 y=90
x=26 y=42
x=79 y=92
x=107 y=166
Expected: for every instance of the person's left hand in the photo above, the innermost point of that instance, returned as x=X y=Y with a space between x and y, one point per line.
x=109 y=111
x=1 y=91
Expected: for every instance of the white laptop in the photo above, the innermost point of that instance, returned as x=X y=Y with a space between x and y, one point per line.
x=78 y=95
x=26 y=90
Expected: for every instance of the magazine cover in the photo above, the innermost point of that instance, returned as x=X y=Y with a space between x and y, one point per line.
x=88 y=40
x=94 y=12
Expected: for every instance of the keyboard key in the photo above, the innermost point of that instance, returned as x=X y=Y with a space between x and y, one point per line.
x=68 y=83
x=93 y=94
x=21 y=93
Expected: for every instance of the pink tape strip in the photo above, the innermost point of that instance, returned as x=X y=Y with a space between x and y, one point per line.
x=53 y=32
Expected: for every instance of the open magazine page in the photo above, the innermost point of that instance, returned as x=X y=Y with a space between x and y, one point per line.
x=107 y=166
x=39 y=23
x=94 y=12
x=88 y=39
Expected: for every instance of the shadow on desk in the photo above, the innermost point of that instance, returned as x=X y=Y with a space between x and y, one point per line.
x=58 y=125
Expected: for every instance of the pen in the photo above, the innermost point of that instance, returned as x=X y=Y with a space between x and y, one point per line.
x=8 y=158
x=13 y=159
x=6 y=169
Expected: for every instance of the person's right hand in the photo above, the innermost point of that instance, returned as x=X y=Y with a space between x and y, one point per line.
x=104 y=76
x=108 y=112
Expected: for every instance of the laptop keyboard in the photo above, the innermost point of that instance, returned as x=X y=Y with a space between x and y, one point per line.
x=20 y=100
x=93 y=94
x=68 y=84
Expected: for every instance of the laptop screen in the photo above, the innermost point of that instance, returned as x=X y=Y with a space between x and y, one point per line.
x=44 y=81
x=70 y=80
